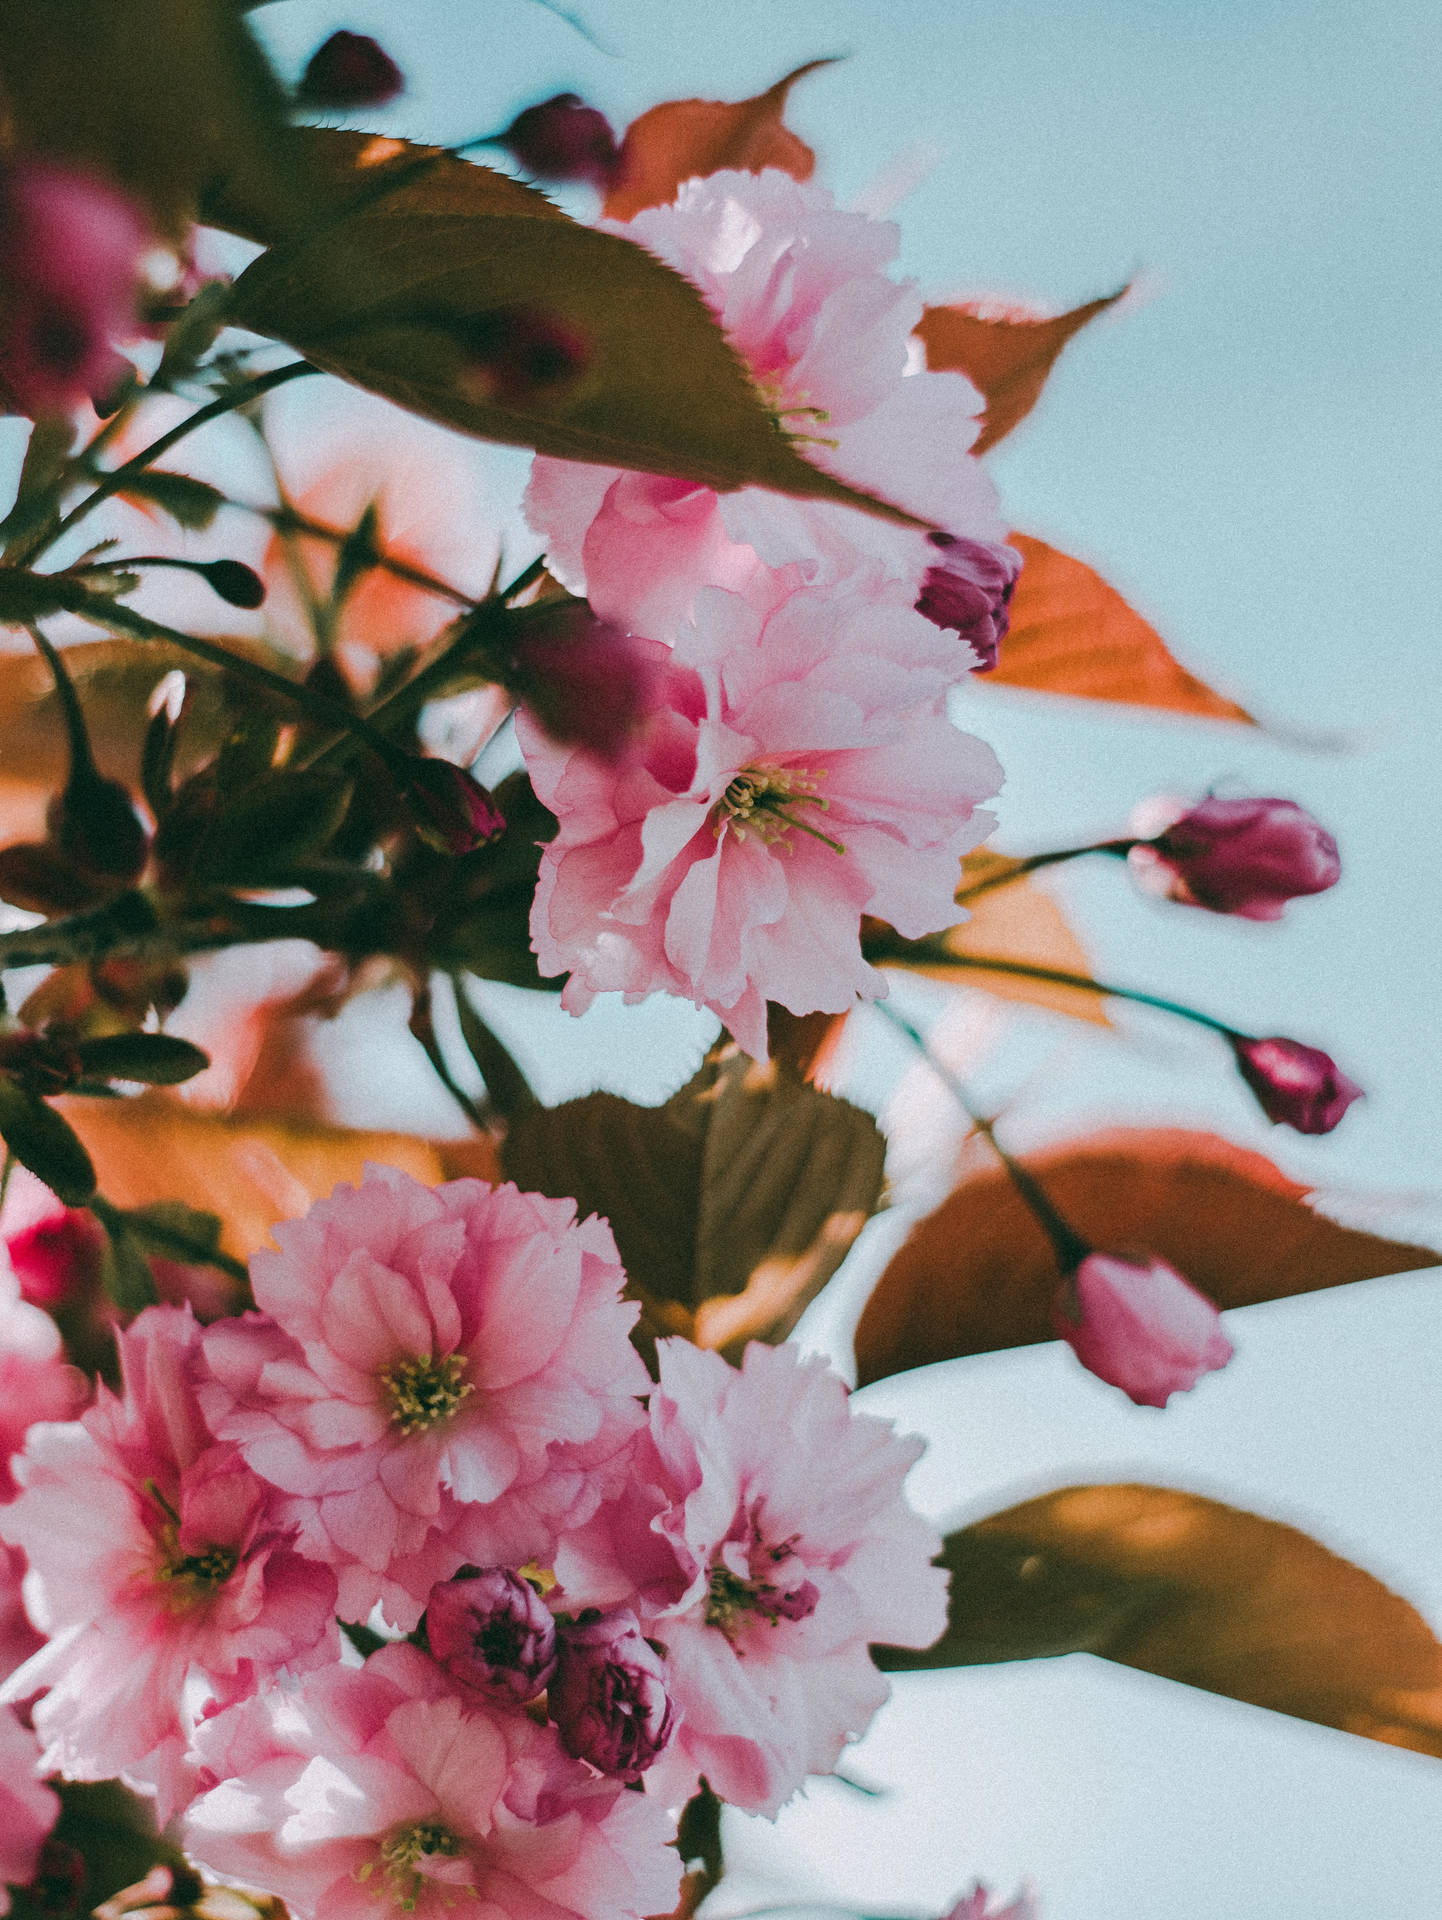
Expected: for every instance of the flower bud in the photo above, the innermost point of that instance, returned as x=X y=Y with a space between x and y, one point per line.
x=519 y=355
x=969 y=590
x=56 y=1257
x=349 y=70
x=563 y=139
x=237 y=584
x=449 y=807
x=94 y=823
x=1247 y=857
x=1137 y=1324
x=1296 y=1086
x=609 y=1698
x=70 y=251
x=493 y=1634
x=587 y=683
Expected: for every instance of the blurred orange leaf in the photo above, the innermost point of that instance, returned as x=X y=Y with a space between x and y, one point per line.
x=249 y=1172
x=1198 y=1592
x=1072 y=633
x=1006 y=356
x=979 y=1273
x=683 y=138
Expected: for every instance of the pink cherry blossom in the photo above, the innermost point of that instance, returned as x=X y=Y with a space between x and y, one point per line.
x=801 y=290
x=441 y=1375
x=796 y=775
x=1138 y=1325
x=765 y=1541
x=157 y=1567
x=376 y=1791
x=36 y=1382
x=28 y=1808
x=977 y=1906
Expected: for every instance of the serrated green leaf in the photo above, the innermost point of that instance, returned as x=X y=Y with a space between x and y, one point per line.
x=45 y=1143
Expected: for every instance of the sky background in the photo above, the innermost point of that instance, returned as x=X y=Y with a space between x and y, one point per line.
x=1250 y=453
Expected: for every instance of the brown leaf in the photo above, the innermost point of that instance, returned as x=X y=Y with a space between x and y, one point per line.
x=682 y=139
x=732 y=1204
x=1194 y=1591
x=1005 y=355
x=251 y=1172
x=979 y=1274
x=1072 y=633
x=1019 y=921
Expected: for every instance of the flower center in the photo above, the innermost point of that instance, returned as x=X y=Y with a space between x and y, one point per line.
x=763 y=1590
x=423 y=1392
x=763 y=801
x=209 y=1569
x=402 y=1856
x=188 y=1575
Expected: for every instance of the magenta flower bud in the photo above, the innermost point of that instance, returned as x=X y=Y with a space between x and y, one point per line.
x=1296 y=1086
x=1246 y=856
x=449 y=807
x=56 y=1257
x=349 y=70
x=1137 y=1324
x=969 y=590
x=519 y=355
x=609 y=1699
x=493 y=1634
x=587 y=683
x=563 y=139
x=70 y=250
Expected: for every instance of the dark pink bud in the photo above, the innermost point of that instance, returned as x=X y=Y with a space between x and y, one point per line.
x=519 y=355
x=609 y=1698
x=1246 y=856
x=1296 y=1086
x=449 y=807
x=969 y=590
x=587 y=683
x=349 y=70
x=563 y=139
x=1137 y=1324
x=70 y=250
x=493 y=1634
x=56 y=1257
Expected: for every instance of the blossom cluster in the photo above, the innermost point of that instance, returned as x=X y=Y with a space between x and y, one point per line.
x=435 y=1422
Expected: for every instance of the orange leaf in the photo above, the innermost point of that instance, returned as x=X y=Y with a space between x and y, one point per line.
x=1006 y=356
x=1198 y=1592
x=979 y=1273
x=252 y=1172
x=1072 y=633
x=683 y=138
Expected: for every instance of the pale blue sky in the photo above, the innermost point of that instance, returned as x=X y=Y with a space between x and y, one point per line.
x=1252 y=455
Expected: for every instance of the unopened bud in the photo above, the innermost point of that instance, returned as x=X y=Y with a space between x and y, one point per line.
x=1296 y=1086
x=493 y=1635
x=969 y=590
x=587 y=683
x=1138 y=1325
x=349 y=70
x=609 y=1699
x=449 y=807
x=94 y=823
x=237 y=584
x=563 y=139
x=1247 y=857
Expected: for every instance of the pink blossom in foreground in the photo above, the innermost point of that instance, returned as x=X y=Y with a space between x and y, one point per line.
x=801 y=289
x=795 y=776
x=378 y=1791
x=28 y=1808
x=1138 y=1325
x=36 y=1381
x=764 y=1539
x=1296 y=1085
x=157 y=1567
x=1247 y=856
x=976 y=1905
x=18 y=1639
x=441 y=1375
x=70 y=249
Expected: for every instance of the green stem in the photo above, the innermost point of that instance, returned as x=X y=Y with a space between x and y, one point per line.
x=1030 y=865
x=130 y=926
x=288 y=519
x=82 y=760
x=901 y=951
x=1067 y=1244
x=422 y=1025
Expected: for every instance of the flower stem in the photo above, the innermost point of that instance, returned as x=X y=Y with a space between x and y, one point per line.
x=288 y=519
x=934 y=955
x=1067 y=1243
x=1020 y=868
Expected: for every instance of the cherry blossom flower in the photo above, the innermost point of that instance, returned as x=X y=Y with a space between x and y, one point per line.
x=795 y=775
x=801 y=290
x=1138 y=1325
x=441 y=1375
x=156 y=1565
x=36 y=1382
x=374 y=1791
x=763 y=1538
x=493 y=1635
x=28 y=1808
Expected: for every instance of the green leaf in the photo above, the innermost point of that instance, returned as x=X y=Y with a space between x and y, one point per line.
x=259 y=833
x=157 y=1059
x=509 y=1090
x=732 y=1204
x=190 y=503
x=113 y=1831
x=1194 y=1591
x=385 y=299
x=45 y=1143
x=124 y=1268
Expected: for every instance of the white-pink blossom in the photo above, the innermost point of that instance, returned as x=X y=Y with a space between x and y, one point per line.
x=764 y=1539
x=28 y=1808
x=796 y=775
x=440 y=1375
x=374 y=1791
x=802 y=291
x=157 y=1568
x=36 y=1381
